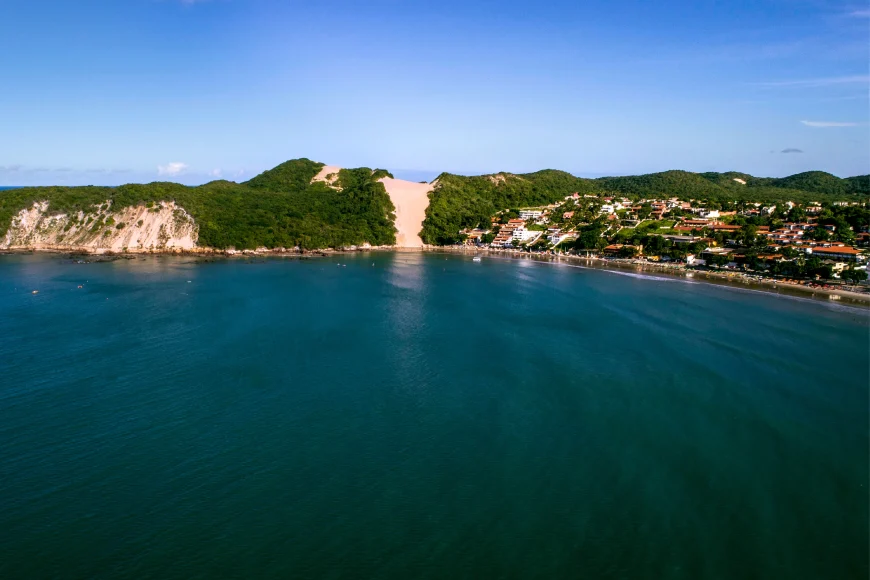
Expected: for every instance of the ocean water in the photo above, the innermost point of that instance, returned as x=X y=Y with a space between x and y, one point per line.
x=423 y=416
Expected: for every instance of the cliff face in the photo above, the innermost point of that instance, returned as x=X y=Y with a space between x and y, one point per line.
x=162 y=227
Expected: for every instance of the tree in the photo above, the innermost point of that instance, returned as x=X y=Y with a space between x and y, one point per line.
x=825 y=272
x=628 y=252
x=753 y=262
x=510 y=214
x=851 y=274
x=644 y=211
x=797 y=214
x=718 y=260
x=747 y=235
x=678 y=253
x=811 y=265
x=820 y=234
x=789 y=253
x=654 y=245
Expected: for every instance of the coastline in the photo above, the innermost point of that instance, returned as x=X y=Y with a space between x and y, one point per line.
x=736 y=280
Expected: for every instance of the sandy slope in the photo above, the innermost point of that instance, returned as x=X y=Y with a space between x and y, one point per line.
x=328 y=174
x=411 y=200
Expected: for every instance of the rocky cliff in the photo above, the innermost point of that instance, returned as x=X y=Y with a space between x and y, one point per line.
x=161 y=227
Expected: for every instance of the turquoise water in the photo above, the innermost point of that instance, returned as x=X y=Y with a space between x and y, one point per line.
x=422 y=416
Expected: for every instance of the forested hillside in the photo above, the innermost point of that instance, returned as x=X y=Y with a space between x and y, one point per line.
x=459 y=202
x=278 y=208
x=282 y=207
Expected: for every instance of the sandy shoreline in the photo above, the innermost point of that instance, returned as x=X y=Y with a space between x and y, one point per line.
x=727 y=279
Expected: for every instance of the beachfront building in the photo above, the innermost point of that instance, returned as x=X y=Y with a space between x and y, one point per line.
x=841 y=253
x=522 y=234
x=556 y=236
x=503 y=239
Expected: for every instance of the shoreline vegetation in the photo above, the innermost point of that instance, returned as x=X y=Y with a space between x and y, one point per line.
x=738 y=280
x=719 y=278
x=802 y=235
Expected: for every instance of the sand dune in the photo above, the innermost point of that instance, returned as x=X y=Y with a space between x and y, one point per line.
x=328 y=174
x=411 y=200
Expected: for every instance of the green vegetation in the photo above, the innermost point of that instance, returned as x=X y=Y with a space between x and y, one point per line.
x=465 y=202
x=459 y=202
x=721 y=187
x=278 y=208
x=282 y=208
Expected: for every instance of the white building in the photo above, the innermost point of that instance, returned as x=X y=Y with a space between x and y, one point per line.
x=530 y=214
x=559 y=237
x=522 y=234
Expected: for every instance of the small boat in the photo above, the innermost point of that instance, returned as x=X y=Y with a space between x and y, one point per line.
x=35 y=292
x=476 y=259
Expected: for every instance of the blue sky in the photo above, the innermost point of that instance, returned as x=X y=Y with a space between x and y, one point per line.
x=113 y=91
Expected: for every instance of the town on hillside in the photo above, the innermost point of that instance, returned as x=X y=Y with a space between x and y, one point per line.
x=809 y=243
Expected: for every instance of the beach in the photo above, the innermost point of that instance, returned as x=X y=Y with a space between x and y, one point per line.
x=721 y=278
x=731 y=279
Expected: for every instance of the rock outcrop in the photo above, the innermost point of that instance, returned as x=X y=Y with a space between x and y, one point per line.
x=161 y=227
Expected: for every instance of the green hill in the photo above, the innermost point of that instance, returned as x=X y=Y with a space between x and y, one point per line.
x=278 y=208
x=281 y=207
x=461 y=202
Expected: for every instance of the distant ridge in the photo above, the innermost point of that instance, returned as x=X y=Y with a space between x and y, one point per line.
x=286 y=207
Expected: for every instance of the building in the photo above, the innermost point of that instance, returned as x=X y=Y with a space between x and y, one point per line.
x=612 y=250
x=530 y=214
x=843 y=253
x=474 y=236
x=684 y=239
x=557 y=237
x=503 y=239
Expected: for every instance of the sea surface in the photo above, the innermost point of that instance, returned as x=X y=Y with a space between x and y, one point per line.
x=406 y=415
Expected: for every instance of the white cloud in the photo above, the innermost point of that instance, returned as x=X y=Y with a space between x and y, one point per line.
x=860 y=14
x=10 y=168
x=853 y=79
x=828 y=124
x=173 y=168
x=216 y=173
